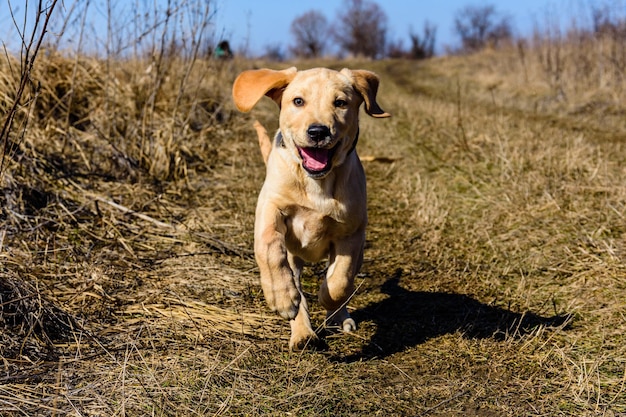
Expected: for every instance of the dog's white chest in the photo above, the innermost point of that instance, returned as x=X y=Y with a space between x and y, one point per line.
x=307 y=230
x=309 y=233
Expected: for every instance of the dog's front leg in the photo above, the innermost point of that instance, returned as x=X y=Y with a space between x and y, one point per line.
x=270 y=251
x=345 y=260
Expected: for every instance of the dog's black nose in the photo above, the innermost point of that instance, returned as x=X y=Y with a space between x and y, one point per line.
x=318 y=133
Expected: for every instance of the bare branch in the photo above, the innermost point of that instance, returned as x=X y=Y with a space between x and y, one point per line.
x=28 y=54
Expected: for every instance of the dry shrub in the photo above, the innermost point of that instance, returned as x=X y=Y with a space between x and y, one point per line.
x=70 y=91
x=30 y=323
x=99 y=147
x=581 y=63
x=125 y=124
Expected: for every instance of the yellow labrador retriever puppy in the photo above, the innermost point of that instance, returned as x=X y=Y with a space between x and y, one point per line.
x=313 y=202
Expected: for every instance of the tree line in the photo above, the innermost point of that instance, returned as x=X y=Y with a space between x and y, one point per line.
x=361 y=29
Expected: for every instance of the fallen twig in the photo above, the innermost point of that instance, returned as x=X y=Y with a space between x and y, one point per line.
x=126 y=210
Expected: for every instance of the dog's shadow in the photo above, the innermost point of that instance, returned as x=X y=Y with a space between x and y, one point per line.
x=409 y=318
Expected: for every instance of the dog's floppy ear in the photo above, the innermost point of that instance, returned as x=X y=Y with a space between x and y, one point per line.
x=251 y=85
x=366 y=84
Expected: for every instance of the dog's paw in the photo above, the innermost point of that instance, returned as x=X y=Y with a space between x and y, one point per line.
x=341 y=320
x=308 y=340
x=348 y=325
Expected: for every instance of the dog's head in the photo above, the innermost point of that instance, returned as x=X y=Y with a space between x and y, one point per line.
x=319 y=110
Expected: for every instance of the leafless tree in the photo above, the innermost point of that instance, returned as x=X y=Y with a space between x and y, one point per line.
x=606 y=22
x=423 y=46
x=395 y=49
x=310 y=33
x=274 y=52
x=480 y=26
x=361 y=29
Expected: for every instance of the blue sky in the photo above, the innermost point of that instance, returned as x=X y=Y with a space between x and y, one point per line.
x=258 y=24
x=267 y=22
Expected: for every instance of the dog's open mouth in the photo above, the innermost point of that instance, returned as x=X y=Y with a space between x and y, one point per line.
x=316 y=161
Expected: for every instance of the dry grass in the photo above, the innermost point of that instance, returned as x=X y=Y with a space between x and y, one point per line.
x=493 y=281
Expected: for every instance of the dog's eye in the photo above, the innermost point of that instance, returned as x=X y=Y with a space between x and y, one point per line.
x=299 y=102
x=340 y=103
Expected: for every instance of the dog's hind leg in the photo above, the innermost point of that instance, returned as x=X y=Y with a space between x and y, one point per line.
x=265 y=143
x=302 y=334
x=345 y=261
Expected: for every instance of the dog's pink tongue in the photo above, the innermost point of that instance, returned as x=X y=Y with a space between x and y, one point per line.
x=314 y=159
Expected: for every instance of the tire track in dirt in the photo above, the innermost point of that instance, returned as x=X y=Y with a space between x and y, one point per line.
x=586 y=119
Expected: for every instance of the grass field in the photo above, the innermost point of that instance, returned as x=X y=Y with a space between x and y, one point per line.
x=494 y=281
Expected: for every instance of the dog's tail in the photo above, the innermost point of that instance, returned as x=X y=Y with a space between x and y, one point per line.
x=264 y=140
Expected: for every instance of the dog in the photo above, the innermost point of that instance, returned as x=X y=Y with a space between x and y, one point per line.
x=313 y=203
